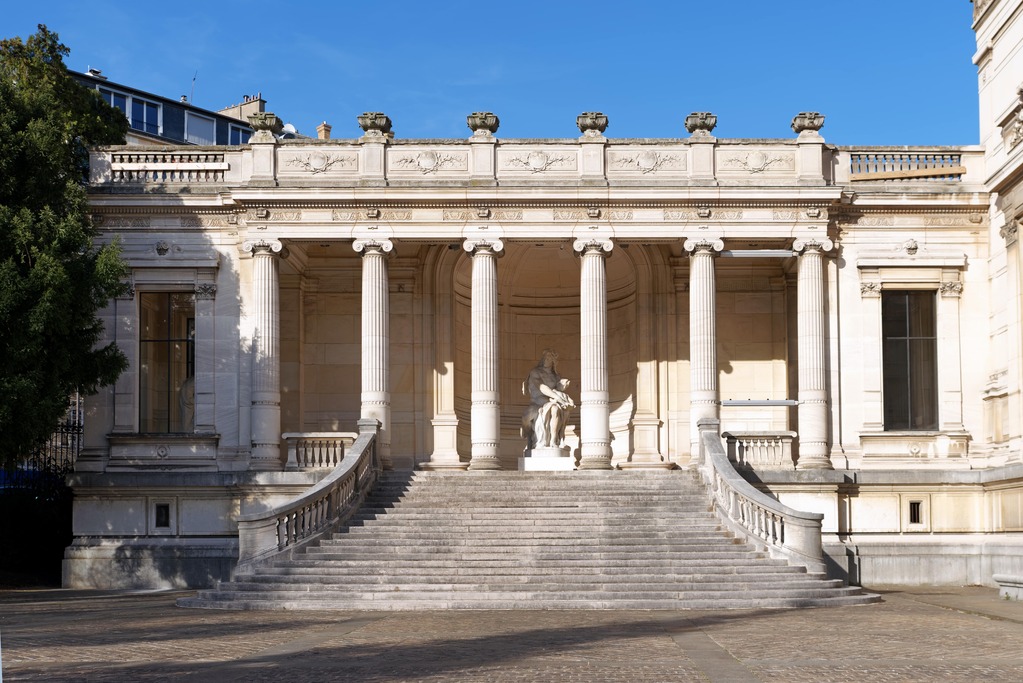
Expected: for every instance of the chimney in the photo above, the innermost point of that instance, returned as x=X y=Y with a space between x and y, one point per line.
x=323 y=131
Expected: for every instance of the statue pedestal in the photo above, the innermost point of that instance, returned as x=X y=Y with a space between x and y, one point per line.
x=547 y=460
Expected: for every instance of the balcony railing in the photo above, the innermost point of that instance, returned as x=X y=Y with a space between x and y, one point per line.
x=317 y=450
x=934 y=165
x=761 y=450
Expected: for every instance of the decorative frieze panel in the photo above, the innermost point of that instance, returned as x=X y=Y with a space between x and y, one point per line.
x=700 y=214
x=315 y=163
x=537 y=161
x=123 y=221
x=273 y=215
x=757 y=161
x=204 y=221
x=429 y=161
x=647 y=161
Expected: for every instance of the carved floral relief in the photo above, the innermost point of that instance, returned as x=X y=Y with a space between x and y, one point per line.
x=647 y=161
x=540 y=162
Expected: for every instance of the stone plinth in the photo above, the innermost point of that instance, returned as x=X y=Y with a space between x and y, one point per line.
x=547 y=460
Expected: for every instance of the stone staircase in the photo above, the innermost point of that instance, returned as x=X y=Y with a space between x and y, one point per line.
x=536 y=540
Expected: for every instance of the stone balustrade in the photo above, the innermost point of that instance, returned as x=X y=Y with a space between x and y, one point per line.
x=591 y=160
x=317 y=450
x=755 y=516
x=760 y=450
x=321 y=509
x=909 y=164
x=142 y=166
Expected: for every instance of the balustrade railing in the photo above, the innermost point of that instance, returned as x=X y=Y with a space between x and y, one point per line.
x=167 y=167
x=761 y=450
x=932 y=165
x=755 y=516
x=317 y=450
x=322 y=508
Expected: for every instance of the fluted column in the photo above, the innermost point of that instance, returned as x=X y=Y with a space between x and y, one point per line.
x=594 y=416
x=485 y=416
x=813 y=393
x=266 y=356
x=376 y=341
x=703 y=337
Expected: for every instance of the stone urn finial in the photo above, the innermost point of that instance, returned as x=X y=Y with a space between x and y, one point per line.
x=375 y=123
x=592 y=124
x=267 y=126
x=701 y=123
x=807 y=121
x=483 y=124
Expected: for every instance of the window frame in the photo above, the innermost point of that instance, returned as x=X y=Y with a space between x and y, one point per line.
x=907 y=342
x=172 y=393
x=130 y=102
x=189 y=115
x=241 y=131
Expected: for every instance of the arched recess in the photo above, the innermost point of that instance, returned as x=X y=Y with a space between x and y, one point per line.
x=538 y=300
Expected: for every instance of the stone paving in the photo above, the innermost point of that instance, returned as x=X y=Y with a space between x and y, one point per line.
x=938 y=634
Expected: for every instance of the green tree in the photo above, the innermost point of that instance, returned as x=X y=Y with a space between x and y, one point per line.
x=53 y=279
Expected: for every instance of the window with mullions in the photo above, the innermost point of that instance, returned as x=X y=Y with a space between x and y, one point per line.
x=142 y=114
x=908 y=325
x=238 y=136
x=166 y=362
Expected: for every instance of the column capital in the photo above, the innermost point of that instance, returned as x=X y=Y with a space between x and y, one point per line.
x=482 y=245
x=262 y=246
x=703 y=244
x=816 y=244
x=377 y=246
x=593 y=246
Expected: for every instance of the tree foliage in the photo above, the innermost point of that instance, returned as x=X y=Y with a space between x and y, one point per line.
x=53 y=279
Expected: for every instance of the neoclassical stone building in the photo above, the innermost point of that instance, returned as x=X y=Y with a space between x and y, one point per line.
x=849 y=316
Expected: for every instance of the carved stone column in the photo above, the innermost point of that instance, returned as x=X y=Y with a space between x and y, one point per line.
x=813 y=391
x=266 y=357
x=376 y=341
x=485 y=416
x=594 y=416
x=703 y=354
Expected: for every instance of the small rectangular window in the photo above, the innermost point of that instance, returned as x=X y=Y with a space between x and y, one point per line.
x=163 y=515
x=910 y=359
x=200 y=130
x=915 y=512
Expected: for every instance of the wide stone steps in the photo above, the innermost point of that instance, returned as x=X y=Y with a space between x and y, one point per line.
x=510 y=540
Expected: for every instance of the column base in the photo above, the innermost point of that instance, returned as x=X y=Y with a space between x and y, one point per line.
x=442 y=467
x=601 y=463
x=651 y=465
x=484 y=463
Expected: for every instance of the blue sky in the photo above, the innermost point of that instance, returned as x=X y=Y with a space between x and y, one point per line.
x=883 y=72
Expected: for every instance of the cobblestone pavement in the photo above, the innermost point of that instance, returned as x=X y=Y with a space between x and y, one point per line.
x=938 y=634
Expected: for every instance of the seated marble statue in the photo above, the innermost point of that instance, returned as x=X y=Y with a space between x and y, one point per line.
x=543 y=423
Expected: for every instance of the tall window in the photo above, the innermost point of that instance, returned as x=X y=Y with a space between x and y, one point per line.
x=910 y=360
x=142 y=114
x=167 y=362
x=200 y=130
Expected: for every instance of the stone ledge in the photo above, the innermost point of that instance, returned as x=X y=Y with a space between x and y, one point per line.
x=1010 y=587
